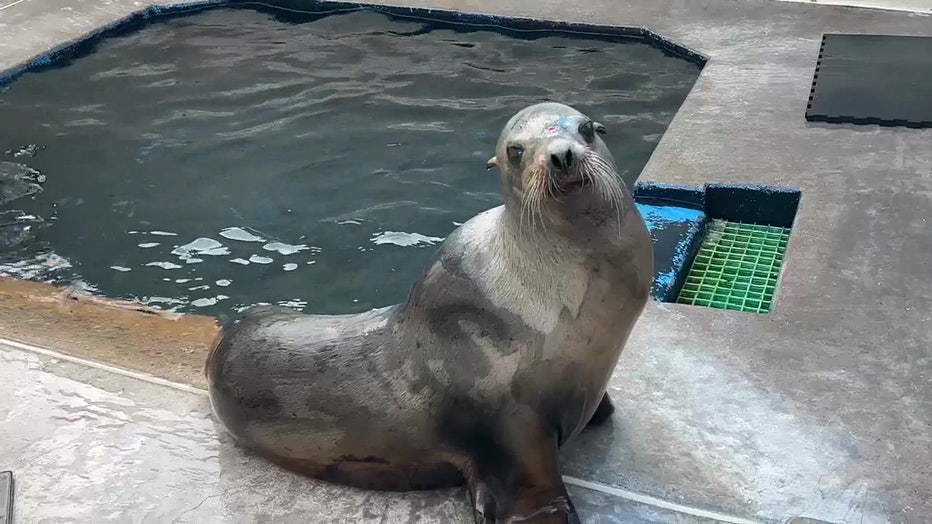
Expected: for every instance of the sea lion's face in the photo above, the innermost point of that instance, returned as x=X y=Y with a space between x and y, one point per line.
x=555 y=168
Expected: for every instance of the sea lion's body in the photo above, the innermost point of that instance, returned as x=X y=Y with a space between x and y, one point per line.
x=502 y=351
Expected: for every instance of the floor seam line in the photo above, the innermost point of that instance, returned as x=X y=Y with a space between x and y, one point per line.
x=656 y=502
x=138 y=375
x=2 y=7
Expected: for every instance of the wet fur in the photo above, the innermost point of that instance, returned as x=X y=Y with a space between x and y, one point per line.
x=500 y=354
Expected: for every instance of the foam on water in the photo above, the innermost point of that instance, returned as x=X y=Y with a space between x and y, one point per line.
x=404 y=239
x=164 y=265
x=211 y=301
x=200 y=246
x=294 y=304
x=284 y=249
x=18 y=181
x=38 y=267
x=29 y=150
x=236 y=233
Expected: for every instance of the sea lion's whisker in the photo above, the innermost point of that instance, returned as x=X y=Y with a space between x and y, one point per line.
x=542 y=193
x=552 y=189
x=606 y=183
x=527 y=198
x=534 y=196
x=610 y=182
x=525 y=206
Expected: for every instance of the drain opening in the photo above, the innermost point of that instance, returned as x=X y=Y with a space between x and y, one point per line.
x=737 y=267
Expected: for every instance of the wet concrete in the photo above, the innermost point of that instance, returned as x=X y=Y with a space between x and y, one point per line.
x=101 y=447
x=822 y=409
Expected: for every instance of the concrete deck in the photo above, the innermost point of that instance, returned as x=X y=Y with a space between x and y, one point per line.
x=821 y=409
x=916 y=6
x=91 y=445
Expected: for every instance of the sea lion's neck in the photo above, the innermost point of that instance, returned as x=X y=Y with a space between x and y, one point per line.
x=533 y=274
x=533 y=241
x=587 y=235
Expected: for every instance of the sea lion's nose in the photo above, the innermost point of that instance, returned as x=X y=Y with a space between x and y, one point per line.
x=561 y=158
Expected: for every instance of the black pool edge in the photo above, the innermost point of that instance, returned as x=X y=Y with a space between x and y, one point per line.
x=751 y=203
x=439 y=18
x=747 y=203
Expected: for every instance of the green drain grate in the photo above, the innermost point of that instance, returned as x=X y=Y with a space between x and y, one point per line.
x=737 y=267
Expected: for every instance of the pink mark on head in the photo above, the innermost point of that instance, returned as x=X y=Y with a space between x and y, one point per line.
x=552 y=130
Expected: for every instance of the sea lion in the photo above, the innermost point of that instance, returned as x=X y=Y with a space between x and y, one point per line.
x=500 y=354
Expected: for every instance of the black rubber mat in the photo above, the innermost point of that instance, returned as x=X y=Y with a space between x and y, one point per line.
x=873 y=79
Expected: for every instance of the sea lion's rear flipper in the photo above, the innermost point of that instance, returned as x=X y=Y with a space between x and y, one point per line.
x=603 y=412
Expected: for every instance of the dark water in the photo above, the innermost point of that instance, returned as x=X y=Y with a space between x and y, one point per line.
x=344 y=147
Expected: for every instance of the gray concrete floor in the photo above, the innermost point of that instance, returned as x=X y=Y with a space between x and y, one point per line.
x=91 y=445
x=917 y=6
x=821 y=409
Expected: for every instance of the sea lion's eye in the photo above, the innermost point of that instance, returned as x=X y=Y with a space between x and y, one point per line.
x=515 y=152
x=587 y=130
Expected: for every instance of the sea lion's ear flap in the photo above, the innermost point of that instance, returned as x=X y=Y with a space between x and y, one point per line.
x=599 y=128
x=491 y=163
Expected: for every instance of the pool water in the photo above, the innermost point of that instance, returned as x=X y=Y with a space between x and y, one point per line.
x=233 y=157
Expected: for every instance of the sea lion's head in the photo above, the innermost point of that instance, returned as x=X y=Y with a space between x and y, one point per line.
x=556 y=170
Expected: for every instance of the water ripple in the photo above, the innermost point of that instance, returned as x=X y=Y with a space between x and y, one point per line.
x=315 y=165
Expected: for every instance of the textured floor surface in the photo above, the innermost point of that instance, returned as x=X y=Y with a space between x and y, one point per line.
x=87 y=445
x=873 y=79
x=918 y=6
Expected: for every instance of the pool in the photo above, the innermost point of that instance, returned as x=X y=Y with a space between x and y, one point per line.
x=233 y=156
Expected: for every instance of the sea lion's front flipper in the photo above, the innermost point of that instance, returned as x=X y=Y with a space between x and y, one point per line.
x=517 y=479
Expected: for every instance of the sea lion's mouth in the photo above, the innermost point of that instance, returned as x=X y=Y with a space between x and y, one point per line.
x=572 y=183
